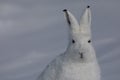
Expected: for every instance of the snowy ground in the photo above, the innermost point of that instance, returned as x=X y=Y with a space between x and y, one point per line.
x=33 y=32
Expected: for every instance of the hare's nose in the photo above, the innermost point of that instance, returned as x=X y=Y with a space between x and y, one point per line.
x=81 y=55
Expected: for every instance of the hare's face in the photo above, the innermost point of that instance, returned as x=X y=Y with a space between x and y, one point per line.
x=81 y=42
x=80 y=34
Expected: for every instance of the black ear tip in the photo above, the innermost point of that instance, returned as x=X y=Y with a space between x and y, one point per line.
x=88 y=6
x=64 y=10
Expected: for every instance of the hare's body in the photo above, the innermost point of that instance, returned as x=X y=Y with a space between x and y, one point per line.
x=79 y=61
x=64 y=69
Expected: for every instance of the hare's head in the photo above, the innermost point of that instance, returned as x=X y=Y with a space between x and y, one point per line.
x=80 y=34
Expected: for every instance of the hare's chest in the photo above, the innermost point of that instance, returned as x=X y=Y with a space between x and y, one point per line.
x=79 y=72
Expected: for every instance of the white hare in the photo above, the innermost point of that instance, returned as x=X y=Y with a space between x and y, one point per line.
x=79 y=60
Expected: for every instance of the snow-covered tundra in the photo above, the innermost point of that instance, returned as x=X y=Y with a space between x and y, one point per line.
x=79 y=61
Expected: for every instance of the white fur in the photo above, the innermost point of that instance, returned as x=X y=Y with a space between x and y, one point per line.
x=70 y=65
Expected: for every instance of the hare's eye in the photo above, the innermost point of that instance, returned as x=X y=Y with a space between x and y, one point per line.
x=89 y=41
x=73 y=41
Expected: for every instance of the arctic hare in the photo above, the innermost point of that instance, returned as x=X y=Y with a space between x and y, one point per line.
x=79 y=60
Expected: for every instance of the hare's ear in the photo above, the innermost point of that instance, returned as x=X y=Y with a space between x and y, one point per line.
x=72 y=22
x=85 y=22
